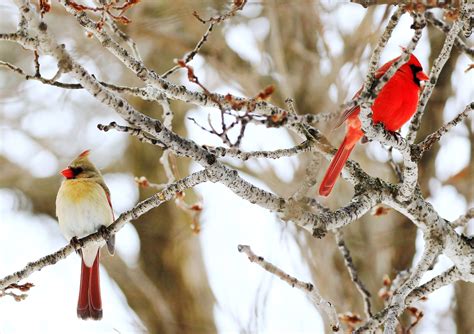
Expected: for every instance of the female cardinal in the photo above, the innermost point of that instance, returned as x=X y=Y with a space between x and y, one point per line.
x=393 y=107
x=83 y=206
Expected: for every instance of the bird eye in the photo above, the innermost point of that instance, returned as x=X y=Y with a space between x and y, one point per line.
x=76 y=170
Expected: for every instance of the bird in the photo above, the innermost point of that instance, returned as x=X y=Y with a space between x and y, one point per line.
x=83 y=207
x=394 y=106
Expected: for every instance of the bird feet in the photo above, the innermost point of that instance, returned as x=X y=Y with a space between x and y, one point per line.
x=397 y=135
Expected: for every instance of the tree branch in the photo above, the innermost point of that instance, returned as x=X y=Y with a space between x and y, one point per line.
x=141 y=208
x=433 y=138
x=464 y=219
x=440 y=25
x=353 y=273
x=308 y=288
x=434 y=74
x=418 y=4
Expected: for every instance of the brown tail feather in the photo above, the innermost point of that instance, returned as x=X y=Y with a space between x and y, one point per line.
x=89 y=305
x=335 y=168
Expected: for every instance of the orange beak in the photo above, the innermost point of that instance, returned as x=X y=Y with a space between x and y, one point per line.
x=67 y=173
x=422 y=76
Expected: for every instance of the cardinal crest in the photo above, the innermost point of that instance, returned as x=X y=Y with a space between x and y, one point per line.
x=84 y=154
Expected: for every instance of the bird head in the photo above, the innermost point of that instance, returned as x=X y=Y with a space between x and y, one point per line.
x=81 y=168
x=416 y=70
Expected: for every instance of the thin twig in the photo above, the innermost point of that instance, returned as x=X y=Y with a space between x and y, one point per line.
x=442 y=26
x=136 y=132
x=308 y=288
x=235 y=6
x=395 y=166
x=136 y=91
x=464 y=219
x=190 y=56
x=433 y=138
x=353 y=273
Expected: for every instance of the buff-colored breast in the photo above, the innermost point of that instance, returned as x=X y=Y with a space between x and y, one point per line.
x=82 y=208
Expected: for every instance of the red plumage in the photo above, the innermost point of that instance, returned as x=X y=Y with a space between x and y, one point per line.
x=393 y=107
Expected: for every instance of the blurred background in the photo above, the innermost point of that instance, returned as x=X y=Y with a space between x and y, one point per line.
x=167 y=277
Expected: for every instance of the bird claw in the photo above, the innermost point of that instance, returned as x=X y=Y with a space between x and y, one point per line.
x=397 y=135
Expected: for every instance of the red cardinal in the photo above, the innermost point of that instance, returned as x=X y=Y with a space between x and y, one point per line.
x=83 y=206
x=393 y=107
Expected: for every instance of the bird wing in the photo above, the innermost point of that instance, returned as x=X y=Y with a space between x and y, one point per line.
x=111 y=240
x=381 y=71
x=355 y=109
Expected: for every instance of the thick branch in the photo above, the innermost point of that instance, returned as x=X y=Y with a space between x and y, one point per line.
x=421 y=4
x=434 y=74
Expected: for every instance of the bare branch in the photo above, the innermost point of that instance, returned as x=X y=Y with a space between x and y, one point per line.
x=464 y=219
x=102 y=235
x=135 y=91
x=237 y=153
x=136 y=132
x=375 y=57
x=123 y=36
x=190 y=56
x=235 y=6
x=433 y=138
x=449 y=276
x=434 y=74
x=412 y=4
x=389 y=315
x=359 y=206
x=353 y=273
x=440 y=25
x=308 y=288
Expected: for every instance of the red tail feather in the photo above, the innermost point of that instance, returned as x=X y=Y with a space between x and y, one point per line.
x=335 y=167
x=89 y=305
